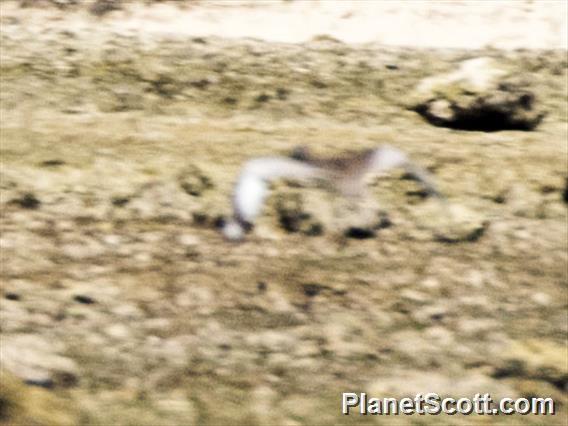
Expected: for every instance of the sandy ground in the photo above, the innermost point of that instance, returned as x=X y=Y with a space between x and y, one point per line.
x=500 y=24
x=122 y=304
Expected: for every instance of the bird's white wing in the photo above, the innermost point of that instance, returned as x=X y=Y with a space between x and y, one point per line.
x=252 y=187
x=387 y=157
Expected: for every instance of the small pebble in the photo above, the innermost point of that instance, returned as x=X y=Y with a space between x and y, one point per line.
x=312 y=290
x=12 y=296
x=86 y=300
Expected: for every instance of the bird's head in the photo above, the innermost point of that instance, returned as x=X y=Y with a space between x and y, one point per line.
x=235 y=229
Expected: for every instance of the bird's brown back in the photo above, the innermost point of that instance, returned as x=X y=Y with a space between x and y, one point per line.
x=345 y=172
x=349 y=164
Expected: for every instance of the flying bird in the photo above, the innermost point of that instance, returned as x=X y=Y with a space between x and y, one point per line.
x=345 y=174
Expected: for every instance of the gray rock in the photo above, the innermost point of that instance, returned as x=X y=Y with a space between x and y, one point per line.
x=27 y=201
x=464 y=225
x=534 y=359
x=194 y=181
x=481 y=95
x=37 y=361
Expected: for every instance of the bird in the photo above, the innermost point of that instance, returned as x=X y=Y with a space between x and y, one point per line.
x=344 y=174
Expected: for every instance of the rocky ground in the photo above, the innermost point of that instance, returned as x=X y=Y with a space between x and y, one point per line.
x=122 y=299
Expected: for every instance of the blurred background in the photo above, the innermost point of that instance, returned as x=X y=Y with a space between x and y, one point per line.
x=123 y=126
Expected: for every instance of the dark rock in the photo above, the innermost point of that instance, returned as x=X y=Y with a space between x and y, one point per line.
x=359 y=233
x=262 y=98
x=66 y=379
x=261 y=286
x=312 y=289
x=205 y=218
x=201 y=84
x=384 y=222
x=52 y=163
x=86 y=300
x=536 y=360
x=229 y=100
x=46 y=383
x=36 y=360
x=219 y=222
x=318 y=84
x=480 y=95
x=500 y=198
x=120 y=201
x=282 y=94
x=499 y=112
x=200 y=218
x=314 y=230
x=301 y=153
x=28 y=201
x=193 y=181
x=12 y=296
x=101 y=7
x=291 y=222
x=164 y=85
x=294 y=217
x=418 y=193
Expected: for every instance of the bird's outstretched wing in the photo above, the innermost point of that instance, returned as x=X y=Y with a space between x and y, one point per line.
x=346 y=173
x=252 y=187
x=387 y=157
